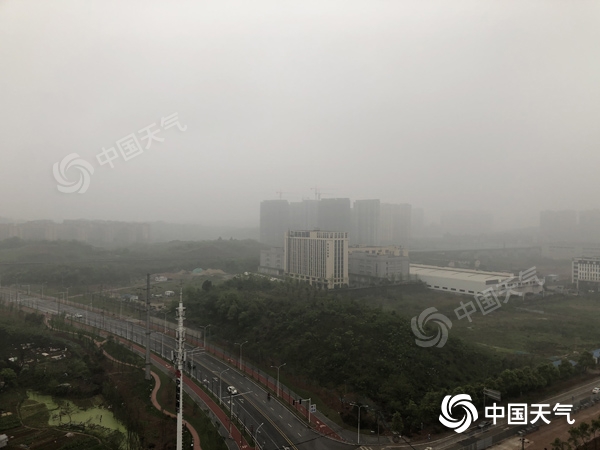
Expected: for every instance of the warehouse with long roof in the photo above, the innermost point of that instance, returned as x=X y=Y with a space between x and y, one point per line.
x=470 y=282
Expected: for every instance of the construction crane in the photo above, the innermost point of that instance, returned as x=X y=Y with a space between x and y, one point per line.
x=319 y=193
x=280 y=193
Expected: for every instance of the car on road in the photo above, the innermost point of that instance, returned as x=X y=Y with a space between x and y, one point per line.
x=231 y=390
x=78 y=316
x=595 y=390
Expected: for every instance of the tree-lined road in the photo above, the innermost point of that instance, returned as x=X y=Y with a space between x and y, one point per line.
x=278 y=427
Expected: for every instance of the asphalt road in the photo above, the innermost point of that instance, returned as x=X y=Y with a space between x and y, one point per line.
x=278 y=427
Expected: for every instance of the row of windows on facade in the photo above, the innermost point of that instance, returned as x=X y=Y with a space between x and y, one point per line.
x=451 y=289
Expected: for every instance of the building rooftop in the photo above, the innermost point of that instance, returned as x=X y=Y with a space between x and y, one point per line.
x=458 y=274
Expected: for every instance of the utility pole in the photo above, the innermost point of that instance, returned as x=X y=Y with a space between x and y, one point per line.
x=148 y=363
x=179 y=361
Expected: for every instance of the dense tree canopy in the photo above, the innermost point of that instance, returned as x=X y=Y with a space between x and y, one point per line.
x=353 y=349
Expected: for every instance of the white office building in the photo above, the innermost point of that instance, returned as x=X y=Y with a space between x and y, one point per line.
x=317 y=257
x=586 y=273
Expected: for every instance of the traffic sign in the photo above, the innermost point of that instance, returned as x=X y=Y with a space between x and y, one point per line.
x=313 y=408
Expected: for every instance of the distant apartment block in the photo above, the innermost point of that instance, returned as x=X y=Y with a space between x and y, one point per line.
x=335 y=214
x=466 y=223
x=271 y=261
x=274 y=222
x=95 y=232
x=319 y=258
x=367 y=265
x=304 y=215
x=10 y=230
x=396 y=224
x=367 y=223
x=570 y=250
x=586 y=273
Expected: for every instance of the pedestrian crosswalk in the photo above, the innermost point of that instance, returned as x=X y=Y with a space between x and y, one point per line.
x=362 y=447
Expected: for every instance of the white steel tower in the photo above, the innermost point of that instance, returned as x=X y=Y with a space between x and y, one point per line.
x=179 y=368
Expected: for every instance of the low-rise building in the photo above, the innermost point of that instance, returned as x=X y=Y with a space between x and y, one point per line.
x=586 y=273
x=470 y=282
x=367 y=265
x=271 y=262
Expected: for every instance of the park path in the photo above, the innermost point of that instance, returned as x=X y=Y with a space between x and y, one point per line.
x=191 y=429
x=155 y=390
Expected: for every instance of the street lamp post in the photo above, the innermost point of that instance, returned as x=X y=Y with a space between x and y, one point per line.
x=241 y=345
x=256 y=434
x=204 y=332
x=278 y=367
x=358 y=431
x=221 y=385
x=58 y=302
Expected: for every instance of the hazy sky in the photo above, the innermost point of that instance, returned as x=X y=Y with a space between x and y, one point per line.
x=483 y=105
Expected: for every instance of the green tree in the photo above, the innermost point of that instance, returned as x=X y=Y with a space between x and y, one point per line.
x=548 y=372
x=565 y=369
x=9 y=376
x=557 y=444
x=584 y=432
x=586 y=360
x=397 y=423
x=575 y=436
x=594 y=428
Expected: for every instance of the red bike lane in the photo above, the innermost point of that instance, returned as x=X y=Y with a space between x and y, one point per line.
x=235 y=433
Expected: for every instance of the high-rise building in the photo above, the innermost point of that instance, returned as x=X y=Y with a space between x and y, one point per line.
x=304 y=215
x=335 y=214
x=317 y=257
x=558 y=226
x=396 y=224
x=39 y=230
x=367 y=223
x=274 y=222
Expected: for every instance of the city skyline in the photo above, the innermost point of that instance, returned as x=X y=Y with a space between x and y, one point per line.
x=461 y=106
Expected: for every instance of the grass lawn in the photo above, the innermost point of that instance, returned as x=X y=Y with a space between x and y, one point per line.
x=568 y=325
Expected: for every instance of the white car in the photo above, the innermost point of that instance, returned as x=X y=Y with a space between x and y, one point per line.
x=231 y=390
x=595 y=390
